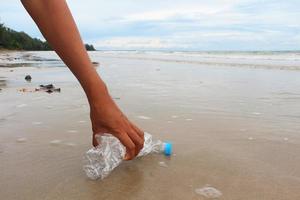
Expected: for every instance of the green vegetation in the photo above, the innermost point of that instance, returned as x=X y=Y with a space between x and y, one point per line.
x=90 y=47
x=10 y=39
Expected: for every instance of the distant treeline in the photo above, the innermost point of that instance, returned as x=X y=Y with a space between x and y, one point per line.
x=13 y=40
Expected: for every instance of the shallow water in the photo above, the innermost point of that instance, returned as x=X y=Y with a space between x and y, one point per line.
x=235 y=129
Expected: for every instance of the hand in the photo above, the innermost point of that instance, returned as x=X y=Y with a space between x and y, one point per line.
x=106 y=117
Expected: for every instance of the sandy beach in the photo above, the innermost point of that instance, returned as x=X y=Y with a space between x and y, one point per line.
x=233 y=118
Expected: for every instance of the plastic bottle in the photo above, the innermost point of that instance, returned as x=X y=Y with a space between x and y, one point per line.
x=101 y=160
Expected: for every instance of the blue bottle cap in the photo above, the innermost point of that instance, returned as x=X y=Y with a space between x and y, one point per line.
x=168 y=149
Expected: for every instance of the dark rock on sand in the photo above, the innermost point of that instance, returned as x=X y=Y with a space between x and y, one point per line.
x=50 y=88
x=28 y=78
x=96 y=64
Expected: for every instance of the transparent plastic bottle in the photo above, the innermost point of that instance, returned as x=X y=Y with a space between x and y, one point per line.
x=101 y=160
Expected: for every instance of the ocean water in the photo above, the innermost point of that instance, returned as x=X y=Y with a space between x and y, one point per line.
x=288 y=60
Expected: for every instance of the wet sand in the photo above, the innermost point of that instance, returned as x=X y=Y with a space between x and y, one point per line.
x=234 y=129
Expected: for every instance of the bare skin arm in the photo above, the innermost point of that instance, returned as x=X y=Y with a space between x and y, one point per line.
x=57 y=25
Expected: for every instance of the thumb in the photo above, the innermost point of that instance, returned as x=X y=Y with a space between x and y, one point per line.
x=94 y=140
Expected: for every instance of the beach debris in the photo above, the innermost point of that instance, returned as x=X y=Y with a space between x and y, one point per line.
x=188 y=119
x=28 y=78
x=250 y=138
x=49 y=88
x=174 y=116
x=209 y=192
x=162 y=164
x=285 y=139
x=81 y=121
x=21 y=140
x=143 y=117
x=55 y=142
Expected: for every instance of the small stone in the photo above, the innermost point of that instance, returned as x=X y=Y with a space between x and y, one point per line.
x=28 y=78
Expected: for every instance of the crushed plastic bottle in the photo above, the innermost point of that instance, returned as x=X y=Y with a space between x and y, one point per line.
x=101 y=160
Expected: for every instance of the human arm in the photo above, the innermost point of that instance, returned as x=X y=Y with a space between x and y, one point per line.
x=57 y=25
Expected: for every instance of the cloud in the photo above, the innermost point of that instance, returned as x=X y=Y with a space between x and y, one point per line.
x=177 y=24
x=133 y=43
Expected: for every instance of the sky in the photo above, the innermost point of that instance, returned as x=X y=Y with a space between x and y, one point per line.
x=196 y=25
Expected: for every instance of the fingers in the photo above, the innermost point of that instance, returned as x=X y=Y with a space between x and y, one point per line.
x=129 y=135
x=95 y=142
x=128 y=143
x=139 y=131
x=139 y=143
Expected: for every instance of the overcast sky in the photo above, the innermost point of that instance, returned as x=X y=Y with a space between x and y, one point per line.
x=177 y=24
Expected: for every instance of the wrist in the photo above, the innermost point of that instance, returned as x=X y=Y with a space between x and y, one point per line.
x=94 y=87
